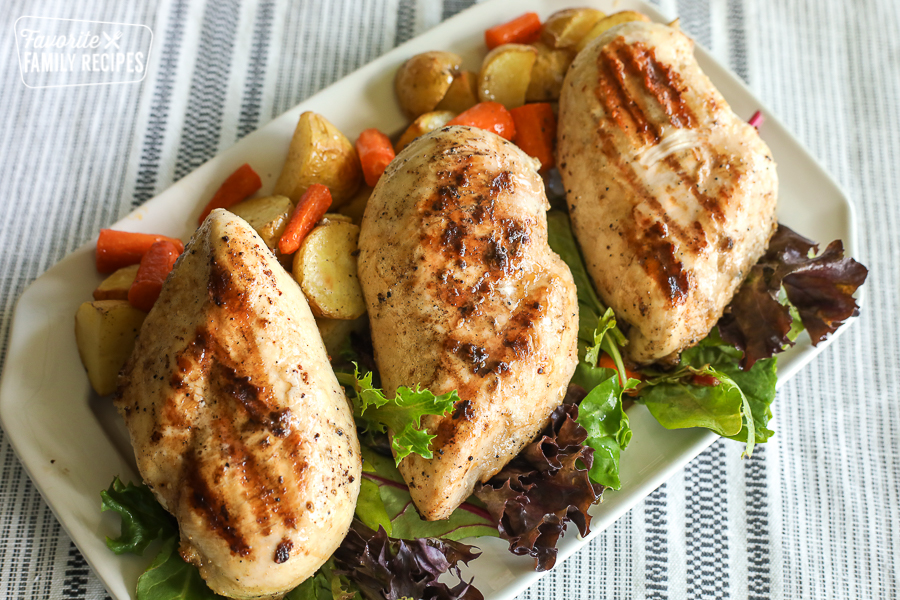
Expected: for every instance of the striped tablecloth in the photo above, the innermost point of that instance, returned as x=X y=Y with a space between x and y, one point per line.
x=814 y=514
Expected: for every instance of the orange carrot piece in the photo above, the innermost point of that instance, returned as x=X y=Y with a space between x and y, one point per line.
x=155 y=267
x=241 y=184
x=117 y=249
x=521 y=30
x=536 y=131
x=492 y=116
x=312 y=205
x=375 y=153
x=606 y=362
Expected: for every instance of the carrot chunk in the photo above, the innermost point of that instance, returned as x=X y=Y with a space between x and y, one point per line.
x=241 y=184
x=117 y=249
x=606 y=362
x=312 y=205
x=536 y=131
x=521 y=30
x=375 y=154
x=155 y=266
x=492 y=116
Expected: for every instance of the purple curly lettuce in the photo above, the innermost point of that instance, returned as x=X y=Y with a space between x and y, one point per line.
x=384 y=568
x=820 y=288
x=543 y=488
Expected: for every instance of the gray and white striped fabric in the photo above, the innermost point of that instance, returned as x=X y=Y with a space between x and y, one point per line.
x=814 y=514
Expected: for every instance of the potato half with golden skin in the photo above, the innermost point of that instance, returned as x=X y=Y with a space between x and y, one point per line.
x=269 y=216
x=462 y=93
x=356 y=206
x=424 y=124
x=116 y=286
x=325 y=268
x=548 y=73
x=565 y=28
x=423 y=80
x=319 y=153
x=506 y=73
x=105 y=331
x=608 y=22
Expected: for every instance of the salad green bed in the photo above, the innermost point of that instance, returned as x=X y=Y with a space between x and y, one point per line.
x=725 y=384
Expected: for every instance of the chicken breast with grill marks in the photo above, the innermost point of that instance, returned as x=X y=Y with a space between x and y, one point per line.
x=238 y=423
x=464 y=294
x=672 y=196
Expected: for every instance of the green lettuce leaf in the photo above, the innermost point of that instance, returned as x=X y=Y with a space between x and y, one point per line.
x=737 y=406
x=470 y=519
x=602 y=415
x=143 y=518
x=402 y=414
x=677 y=404
x=597 y=328
x=601 y=412
x=325 y=584
x=370 y=507
x=170 y=578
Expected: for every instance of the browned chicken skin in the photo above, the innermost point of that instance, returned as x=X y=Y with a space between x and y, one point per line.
x=672 y=196
x=238 y=423
x=465 y=294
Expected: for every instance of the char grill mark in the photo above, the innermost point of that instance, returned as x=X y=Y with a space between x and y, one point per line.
x=247 y=411
x=621 y=65
x=656 y=247
x=660 y=262
x=619 y=105
x=660 y=82
x=473 y=235
x=653 y=247
x=208 y=503
x=465 y=229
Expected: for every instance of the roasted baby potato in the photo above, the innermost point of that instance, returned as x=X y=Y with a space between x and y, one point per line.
x=105 y=331
x=565 y=28
x=424 y=79
x=319 y=153
x=424 y=124
x=462 y=93
x=325 y=268
x=335 y=332
x=268 y=216
x=505 y=74
x=334 y=218
x=548 y=73
x=356 y=207
x=608 y=23
x=116 y=286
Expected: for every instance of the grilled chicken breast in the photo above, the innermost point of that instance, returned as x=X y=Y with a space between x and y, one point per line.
x=672 y=196
x=464 y=294
x=238 y=423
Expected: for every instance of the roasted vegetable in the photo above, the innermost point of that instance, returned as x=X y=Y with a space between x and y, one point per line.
x=268 y=216
x=608 y=23
x=548 y=73
x=105 y=331
x=115 y=287
x=319 y=153
x=567 y=27
x=462 y=93
x=424 y=124
x=356 y=206
x=325 y=268
x=505 y=74
x=422 y=81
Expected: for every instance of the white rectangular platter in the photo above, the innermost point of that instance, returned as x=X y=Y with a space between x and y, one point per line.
x=72 y=443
